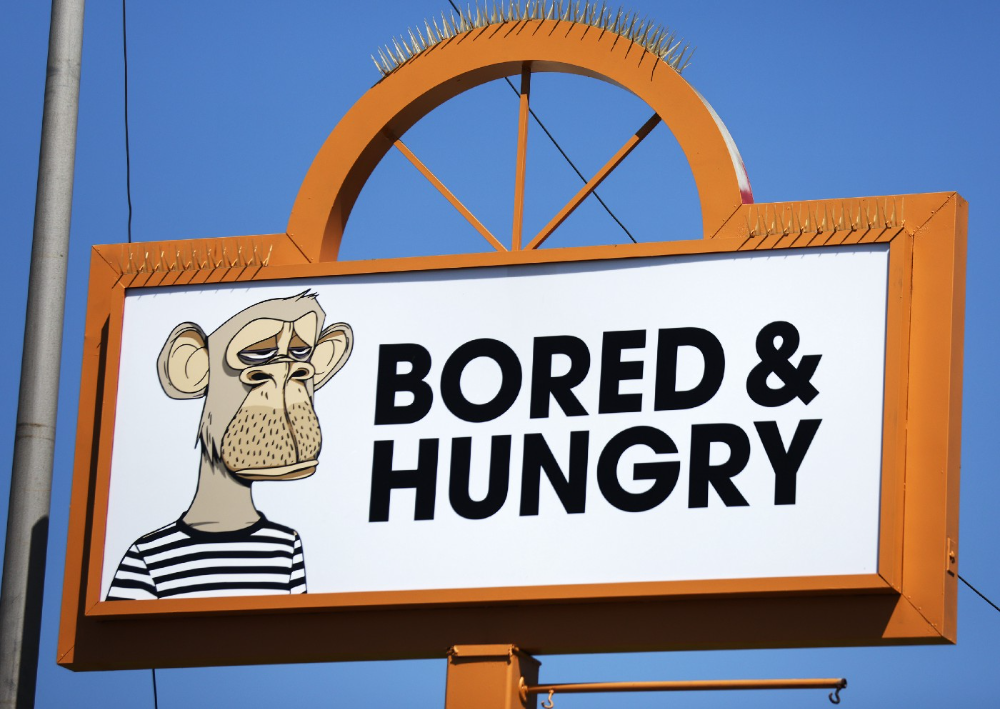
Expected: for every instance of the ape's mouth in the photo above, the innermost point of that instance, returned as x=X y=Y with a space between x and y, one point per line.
x=269 y=442
x=296 y=471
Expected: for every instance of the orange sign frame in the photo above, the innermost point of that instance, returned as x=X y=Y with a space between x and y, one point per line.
x=911 y=599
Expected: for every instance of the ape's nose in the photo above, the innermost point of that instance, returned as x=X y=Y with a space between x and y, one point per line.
x=277 y=372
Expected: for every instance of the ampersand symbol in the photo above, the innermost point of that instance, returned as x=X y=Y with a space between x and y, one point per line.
x=775 y=360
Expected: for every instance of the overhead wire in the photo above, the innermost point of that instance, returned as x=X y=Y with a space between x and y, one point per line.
x=979 y=593
x=128 y=159
x=571 y=163
x=561 y=151
x=128 y=195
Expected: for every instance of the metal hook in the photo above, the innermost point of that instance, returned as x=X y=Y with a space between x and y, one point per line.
x=835 y=695
x=548 y=703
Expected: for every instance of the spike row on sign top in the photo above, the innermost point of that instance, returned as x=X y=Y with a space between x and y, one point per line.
x=136 y=259
x=823 y=218
x=657 y=40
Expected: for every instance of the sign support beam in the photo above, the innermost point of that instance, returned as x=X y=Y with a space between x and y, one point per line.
x=489 y=677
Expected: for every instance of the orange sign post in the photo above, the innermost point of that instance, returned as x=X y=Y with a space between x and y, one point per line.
x=905 y=595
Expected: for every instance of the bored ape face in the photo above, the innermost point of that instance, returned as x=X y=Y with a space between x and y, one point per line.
x=258 y=373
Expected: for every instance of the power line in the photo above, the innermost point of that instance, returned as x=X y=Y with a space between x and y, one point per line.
x=128 y=194
x=561 y=151
x=571 y=164
x=978 y=593
x=128 y=161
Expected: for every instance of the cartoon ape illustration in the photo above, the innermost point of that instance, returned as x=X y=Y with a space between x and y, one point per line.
x=258 y=373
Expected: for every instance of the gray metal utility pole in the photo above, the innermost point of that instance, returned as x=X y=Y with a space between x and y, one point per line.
x=34 y=442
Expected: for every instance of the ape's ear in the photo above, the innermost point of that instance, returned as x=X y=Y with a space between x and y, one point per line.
x=183 y=363
x=331 y=352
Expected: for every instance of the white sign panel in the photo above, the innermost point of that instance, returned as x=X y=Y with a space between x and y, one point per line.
x=659 y=419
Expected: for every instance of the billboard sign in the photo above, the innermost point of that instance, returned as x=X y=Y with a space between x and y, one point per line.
x=749 y=439
x=637 y=428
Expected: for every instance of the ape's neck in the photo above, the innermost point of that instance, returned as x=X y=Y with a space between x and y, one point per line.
x=222 y=503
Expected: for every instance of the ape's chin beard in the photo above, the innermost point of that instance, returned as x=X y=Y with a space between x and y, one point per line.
x=296 y=471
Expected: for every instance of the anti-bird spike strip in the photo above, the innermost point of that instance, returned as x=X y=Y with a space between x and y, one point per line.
x=766 y=220
x=244 y=253
x=657 y=40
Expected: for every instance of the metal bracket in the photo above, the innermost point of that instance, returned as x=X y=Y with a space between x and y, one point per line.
x=951 y=564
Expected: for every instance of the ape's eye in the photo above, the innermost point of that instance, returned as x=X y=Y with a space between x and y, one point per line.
x=257 y=356
x=300 y=353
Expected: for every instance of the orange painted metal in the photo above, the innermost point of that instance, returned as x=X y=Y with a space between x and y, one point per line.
x=873 y=583
x=685 y=686
x=448 y=195
x=90 y=420
x=521 y=168
x=594 y=182
x=934 y=414
x=859 y=583
x=910 y=600
x=489 y=677
x=396 y=103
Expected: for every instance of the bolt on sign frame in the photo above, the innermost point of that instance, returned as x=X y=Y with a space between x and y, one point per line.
x=910 y=600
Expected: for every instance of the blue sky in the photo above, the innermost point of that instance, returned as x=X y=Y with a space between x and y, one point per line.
x=229 y=102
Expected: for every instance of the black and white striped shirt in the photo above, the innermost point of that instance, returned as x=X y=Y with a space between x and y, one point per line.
x=178 y=561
